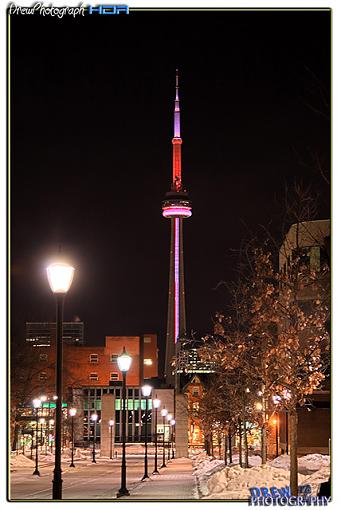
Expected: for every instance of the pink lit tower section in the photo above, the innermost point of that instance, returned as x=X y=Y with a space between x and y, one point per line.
x=177 y=207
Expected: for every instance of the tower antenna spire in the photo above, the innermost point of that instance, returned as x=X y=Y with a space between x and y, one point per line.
x=177 y=107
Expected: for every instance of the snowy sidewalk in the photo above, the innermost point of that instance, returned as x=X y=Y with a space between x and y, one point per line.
x=176 y=481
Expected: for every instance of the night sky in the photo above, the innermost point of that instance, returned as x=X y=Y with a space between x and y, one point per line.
x=91 y=156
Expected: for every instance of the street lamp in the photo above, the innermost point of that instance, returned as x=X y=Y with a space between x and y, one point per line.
x=72 y=413
x=41 y=421
x=124 y=362
x=156 y=405
x=275 y=423
x=172 y=422
x=111 y=424
x=94 y=418
x=146 y=391
x=169 y=417
x=36 y=405
x=164 y=413
x=51 y=429
x=60 y=278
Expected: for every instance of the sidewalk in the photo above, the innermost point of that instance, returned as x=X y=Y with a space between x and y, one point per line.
x=174 y=482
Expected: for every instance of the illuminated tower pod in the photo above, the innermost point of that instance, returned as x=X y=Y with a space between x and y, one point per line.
x=177 y=207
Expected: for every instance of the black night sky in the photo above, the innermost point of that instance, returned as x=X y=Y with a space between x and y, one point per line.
x=91 y=153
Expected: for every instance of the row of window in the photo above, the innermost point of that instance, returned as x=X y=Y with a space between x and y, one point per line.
x=93 y=376
x=93 y=358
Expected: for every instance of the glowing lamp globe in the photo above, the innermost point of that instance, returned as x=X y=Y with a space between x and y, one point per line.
x=73 y=411
x=36 y=403
x=172 y=422
x=60 y=277
x=156 y=403
x=164 y=412
x=94 y=417
x=43 y=398
x=146 y=390
x=258 y=406
x=111 y=423
x=169 y=417
x=124 y=361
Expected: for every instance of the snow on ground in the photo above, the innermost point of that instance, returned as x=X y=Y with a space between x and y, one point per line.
x=311 y=462
x=216 y=481
x=19 y=461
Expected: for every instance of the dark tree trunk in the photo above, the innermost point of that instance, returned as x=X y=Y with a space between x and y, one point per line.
x=246 y=446
x=293 y=452
x=240 y=442
x=225 y=449
x=230 y=446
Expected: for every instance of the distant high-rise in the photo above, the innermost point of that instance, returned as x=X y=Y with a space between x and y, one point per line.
x=177 y=207
x=40 y=334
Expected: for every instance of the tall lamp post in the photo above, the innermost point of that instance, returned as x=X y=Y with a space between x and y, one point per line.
x=124 y=363
x=172 y=422
x=111 y=424
x=72 y=413
x=169 y=418
x=36 y=405
x=146 y=391
x=41 y=421
x=164 y=413
x=51 y=428
x=94 y=418
x=156 y=405
x=60 y=278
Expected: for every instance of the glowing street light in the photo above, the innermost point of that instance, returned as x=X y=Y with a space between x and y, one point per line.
x=36 y=404
x=94 y=418
x=169 y=418
x=146 y=391
x=111 y=424
x=72 y=413
x=172 y=422
x=60 y=277
x=164 y=413
x=156 y=405
x=258 y=406
x=124 y=363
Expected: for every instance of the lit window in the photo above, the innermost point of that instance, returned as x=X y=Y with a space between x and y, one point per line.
x=114 y=358
x=147 y=340
x=114 y=376
x=148 y=361
x=43 y=357
x=42 y=376
x=93 y=358
x=93 y=376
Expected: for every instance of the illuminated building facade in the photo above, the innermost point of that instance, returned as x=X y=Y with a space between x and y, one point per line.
x=177 y=207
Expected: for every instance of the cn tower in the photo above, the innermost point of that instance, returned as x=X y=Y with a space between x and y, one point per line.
x=176 y=206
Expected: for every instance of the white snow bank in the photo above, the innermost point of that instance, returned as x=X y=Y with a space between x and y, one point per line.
x=235 y=482
x=312 y=462
x=20 y=461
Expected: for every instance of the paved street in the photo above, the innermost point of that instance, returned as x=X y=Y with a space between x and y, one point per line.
x=86 y=481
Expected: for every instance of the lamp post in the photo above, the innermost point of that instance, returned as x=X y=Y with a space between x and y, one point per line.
x=275 y=422
x=41 y=421
x=111 y=424
x=36 y=405
x=169 y=418
x=164 y=413
x=172 y=422
x=94 y=418
x=72 y=413
x=156 y=405
x=60 y=278
x=146 y=391
x=124 y=363
x=51 y=429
